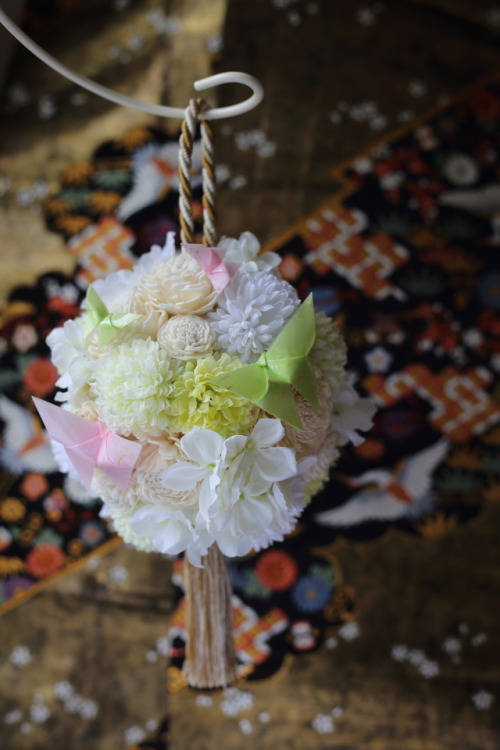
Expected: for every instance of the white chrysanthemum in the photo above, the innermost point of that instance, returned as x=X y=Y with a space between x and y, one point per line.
x=132 y=384
x=252 y=310
x=245 y=250
x=329 y=352
x=351 y=413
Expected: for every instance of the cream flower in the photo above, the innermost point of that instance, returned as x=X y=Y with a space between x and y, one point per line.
x=133 y=385
x=118 y=288
x=252 y=310
x=151 y=488
x=179 y=286
x=146 y=327
x=186 y=337
x=315 y=424
x=329 y=352
x=118 y=501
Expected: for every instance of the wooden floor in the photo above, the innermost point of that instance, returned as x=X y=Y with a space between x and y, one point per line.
x=99 y=627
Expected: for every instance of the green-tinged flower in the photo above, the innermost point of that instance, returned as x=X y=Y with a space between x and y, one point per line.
x=196 y=401
x=329 y=352
x=133 y=385
x=124 y=529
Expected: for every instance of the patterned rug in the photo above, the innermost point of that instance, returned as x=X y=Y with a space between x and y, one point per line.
x=406 y=260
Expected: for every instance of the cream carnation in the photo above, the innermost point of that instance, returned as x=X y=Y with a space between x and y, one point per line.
x=252 y=310
x=179 y=286
x=133 y=384
x=151 y=489
x=186 y=337
x=329 y=352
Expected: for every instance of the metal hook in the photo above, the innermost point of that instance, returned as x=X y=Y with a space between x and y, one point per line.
x=128 y=101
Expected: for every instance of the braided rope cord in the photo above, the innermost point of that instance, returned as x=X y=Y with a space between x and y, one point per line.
x=188 y=133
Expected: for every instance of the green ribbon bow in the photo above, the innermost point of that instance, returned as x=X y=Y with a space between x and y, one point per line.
x=268 y=383
x=109 y=323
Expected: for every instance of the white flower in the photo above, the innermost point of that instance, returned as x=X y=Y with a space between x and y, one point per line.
x=20 y=656
x=132 y=384
x=323 y=724
x=399 y=652
x=252 y=310
x=451 y=645
x=428 y=669
x=245 y=250
x=173 y=532
x=241 y=502
x=186 y=337
x=349 y=631
x=179 y=286
x=483 y=700
x=117 y=289
x=351 y=413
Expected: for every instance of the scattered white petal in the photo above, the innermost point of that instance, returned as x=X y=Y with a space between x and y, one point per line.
x=399 y=652
x=20 y=656
x=118 y=573
x=133 y=735
x=451 y=646
x=332 y=642
x=416 y=657
x=237 y=182
x=246 y=726
x=25 y=727
x=151 y=725
x=152 y=656
x=483 y=700
x=63 y=690
x=264 y=717
x=46 y=107
x=204 y=700
x=417 y=88
x=78 y=99
x=337 y=711
x=163 y=646
x=350 y=631
x=406 y=115
x=479 y=639
x=39 y=714
x=378 y=122
x=463 y=628
x=323 y=724
x=93 y=563
x=214 y=44
x=13 y=716
x=428 y=669
x=88 y=709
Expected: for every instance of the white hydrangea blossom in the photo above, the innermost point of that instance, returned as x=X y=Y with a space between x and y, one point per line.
x=245 y=251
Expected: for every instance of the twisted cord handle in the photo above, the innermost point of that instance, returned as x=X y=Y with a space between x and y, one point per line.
x=186 y=141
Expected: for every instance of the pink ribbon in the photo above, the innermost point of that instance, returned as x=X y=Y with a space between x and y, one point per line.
x=219 y=273
x=90 y=445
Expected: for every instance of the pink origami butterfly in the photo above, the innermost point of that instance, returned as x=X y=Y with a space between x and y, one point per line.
x=220 y=273
x=90 y=445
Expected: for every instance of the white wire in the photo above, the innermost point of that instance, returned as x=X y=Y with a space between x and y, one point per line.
x=128 y=101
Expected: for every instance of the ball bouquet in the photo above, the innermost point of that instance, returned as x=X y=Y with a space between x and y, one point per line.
x=201 y=400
